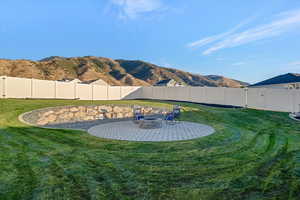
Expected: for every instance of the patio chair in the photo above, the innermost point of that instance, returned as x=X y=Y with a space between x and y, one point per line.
x=137 y=115
x=176 y=111
x=170 y=118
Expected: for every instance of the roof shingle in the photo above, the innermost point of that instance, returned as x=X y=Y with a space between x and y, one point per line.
x=285 y=78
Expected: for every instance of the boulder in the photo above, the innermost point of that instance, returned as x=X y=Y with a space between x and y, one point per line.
x=74 y=109
x=47 y=113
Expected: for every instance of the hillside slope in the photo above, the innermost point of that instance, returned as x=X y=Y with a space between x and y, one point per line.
x=115 y=72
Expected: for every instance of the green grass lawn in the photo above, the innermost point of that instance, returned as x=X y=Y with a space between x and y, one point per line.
x=253 y=155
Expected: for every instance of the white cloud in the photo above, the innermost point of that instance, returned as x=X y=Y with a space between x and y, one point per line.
x=133 y=8
x=284 y=22
x=218 y=37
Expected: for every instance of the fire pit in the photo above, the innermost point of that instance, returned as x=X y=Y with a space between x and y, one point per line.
x=150 y=123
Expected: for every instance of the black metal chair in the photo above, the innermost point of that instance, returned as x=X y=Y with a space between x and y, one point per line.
x=137 y=115
x=170 y=118
x=177 y=111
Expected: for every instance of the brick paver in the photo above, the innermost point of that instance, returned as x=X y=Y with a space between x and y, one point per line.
x=127 y=130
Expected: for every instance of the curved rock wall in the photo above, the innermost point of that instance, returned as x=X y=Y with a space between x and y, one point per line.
x=58 y=115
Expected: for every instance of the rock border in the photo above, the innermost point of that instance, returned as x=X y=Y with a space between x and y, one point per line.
x=82 y=113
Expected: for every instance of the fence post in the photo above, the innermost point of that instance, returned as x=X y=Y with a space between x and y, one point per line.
x=205 y=98
x=31 y=88
x=120 y=92
x=92 y=92
x=55 y=89
x=75 y=92
x=293 y=101
x=224 y=96
x=264 y=98
x=4 y=87
x=152 y=89
x=190 y=93
x=107 y=92
x=246 y=97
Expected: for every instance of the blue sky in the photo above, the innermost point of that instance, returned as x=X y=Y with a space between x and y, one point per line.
x=246 y=40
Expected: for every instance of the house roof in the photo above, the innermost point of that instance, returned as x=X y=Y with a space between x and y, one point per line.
x=166 y=81
x=88 y=82
x=69 y=80
x=285 y=78
x=94 y=81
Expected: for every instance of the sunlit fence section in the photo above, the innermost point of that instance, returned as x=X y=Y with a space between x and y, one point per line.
x=286 y=100
x=64 y=90
x=209 y=95
x=11 y=87
x=258 y=98
x=17 y=87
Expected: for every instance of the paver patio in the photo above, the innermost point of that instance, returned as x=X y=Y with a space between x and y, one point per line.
x=127 y=130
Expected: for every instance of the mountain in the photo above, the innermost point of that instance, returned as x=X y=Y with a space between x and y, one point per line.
x=227 y=82
x=114 y=72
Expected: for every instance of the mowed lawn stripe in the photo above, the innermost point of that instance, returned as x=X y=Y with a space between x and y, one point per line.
x=252 y=155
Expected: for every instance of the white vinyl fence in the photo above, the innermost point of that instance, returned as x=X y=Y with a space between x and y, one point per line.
x=11 y=87
x=286 y=100
x=274 y=99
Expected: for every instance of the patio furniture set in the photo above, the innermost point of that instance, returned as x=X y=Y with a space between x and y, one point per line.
x=155 y=122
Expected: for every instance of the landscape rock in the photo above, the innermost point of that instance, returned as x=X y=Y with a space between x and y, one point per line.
x=84 y=113
x=74 y=109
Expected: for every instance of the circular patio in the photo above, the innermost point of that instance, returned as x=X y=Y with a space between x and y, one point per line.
x=128 y=131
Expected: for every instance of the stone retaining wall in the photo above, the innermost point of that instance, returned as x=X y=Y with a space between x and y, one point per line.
x=58 y=115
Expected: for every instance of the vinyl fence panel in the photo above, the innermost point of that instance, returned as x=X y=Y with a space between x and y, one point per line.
x=43 y=89
x=278 y=99
x=159 y=93
x=84 y=92
x=100 y=92
x=131 y=92
x=256 y=98
x=17 y=87
x=235 y=97
x=114 y=92
x=147 y=93
x=214 y=95
x=197 y=94
x=65 y=90
x=177 y=93
x=169 y=93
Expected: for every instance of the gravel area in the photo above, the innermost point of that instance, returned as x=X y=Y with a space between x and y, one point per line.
x=85 y=125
